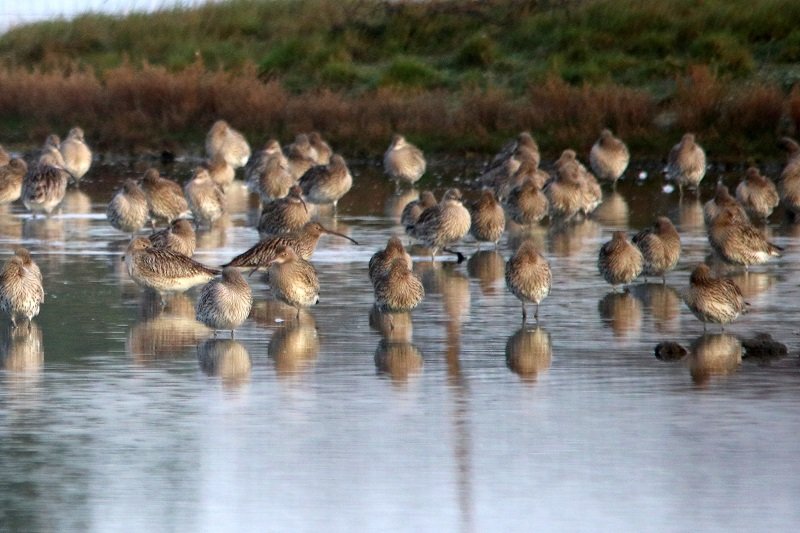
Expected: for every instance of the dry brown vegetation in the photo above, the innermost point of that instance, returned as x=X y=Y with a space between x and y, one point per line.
x=151 y=108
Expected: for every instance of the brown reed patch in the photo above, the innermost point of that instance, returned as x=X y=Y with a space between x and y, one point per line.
x=146 y=108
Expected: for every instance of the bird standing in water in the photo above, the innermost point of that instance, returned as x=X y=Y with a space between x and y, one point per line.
x=528 y=277
x=225 y=303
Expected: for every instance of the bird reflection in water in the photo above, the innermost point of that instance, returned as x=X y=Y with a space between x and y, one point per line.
x=690 y=216
x=714 y=354
x=452 y=285
x=518 y=234
x=78 y=205
x=397 y=201
x=395 y=355
x=529 y=352
x=165 y=331
x=568 y=239
x=398 y=360
x=21 y=349
x=214 y=237
x=753 y=284
x=294 y=347
x=488 y=267
x=663 y=302
x=613 y=211
x=622 y=312
x=227 y=359
x=10 y=225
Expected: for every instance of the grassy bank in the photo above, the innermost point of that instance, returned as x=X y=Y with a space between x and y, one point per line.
x=454 y=76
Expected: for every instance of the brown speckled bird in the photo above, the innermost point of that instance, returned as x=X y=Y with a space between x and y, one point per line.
x=380 y=260
x=738 y=242
x=713 y=299
x=301 y=156
x=325 y=184
x=304 y=242
x=268 y=173
x=77 y=155
x=322 y=149
x=722 y=201
x=44 y=186
x=414 y=209
x=487 y=219
x=403 y=161
x=164 y=270
x=443 y=224
x=789 y=180
x=284 y=214
x=225 y=302
x=619 y=261
x=660 y=246
x=686 y=163
x=164 y=197
x=220 y=171
x=178 y=237
x=609 y=157
x=397 y=288
x=293 y=280
x=127 y=211
x=21 y=291
x=526 y=204
x=11 y=178
x=5 y=157
x=224 y=141
x=528 y=277
x=757 y=194
x=205 y=198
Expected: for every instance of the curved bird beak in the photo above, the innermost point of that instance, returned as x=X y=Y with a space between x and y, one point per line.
x=304 y=205
x=330 y=232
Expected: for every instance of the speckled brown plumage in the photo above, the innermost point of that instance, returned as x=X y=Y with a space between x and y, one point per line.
x=609 y=157
x=660 y=246
x=268 y=173
x=301 y=156
x=77 y=155
x=380 y=260
x=526 y=203
x=292 y=279
x=739 y=242
x=164 y=197
x=403 y=161
x=205 y=198
x=443 y=224
x=686 y=163
x=225 y=302
x=397 y=288
x=284 y=214
x=220 y=171
x=44 y=187
x=414 y=209
x=487 y=218
x=324 y=184
x=619 y=261
x=528 y=276
x=322 y=150
x=21 y=291
x=789 y=180
x=164 y=270
x=722 y=201
x=757 y=194
x=127 y=211
x=11 y=177
x=178 y=237
x=713 y=299
x=304 y=242
x=224 y=141
x=5 y=157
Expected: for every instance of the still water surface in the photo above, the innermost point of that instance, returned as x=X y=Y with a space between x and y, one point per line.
x=118 y=415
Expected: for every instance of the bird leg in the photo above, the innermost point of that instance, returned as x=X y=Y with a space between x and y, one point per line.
x=524 y=313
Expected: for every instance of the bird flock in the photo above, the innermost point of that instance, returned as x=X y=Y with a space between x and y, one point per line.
x=293 y=181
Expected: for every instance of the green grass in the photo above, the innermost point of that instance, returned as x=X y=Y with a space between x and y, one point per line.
x=355 y=45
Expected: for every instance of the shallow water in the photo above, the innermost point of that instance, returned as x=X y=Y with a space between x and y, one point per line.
x=118 y=415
